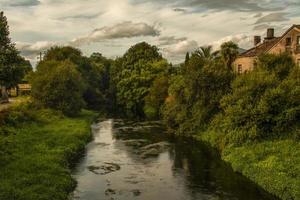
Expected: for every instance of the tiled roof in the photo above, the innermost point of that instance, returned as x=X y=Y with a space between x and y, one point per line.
x=266 y=45
x=262 y=48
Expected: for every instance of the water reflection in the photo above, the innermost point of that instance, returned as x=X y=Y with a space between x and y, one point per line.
x=129 y=160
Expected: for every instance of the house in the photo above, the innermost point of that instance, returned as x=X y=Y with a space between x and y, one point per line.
x=288 y=42
x=21 y=89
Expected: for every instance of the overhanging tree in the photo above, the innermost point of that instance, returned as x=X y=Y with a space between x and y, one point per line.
x=11 y=67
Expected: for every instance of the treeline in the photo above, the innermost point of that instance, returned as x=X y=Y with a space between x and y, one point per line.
x=68 y=81
x=202 y=95
x=208 y=98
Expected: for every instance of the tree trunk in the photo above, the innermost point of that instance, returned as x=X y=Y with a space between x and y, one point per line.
x=4 y=94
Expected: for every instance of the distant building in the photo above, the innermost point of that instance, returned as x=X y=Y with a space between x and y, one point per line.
x=21 y=89
x=288 y=42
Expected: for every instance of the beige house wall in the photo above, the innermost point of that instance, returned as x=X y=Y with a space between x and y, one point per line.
x=280 y=47
x=247 y=64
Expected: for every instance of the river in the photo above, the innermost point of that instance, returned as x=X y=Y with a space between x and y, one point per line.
x=136 y=160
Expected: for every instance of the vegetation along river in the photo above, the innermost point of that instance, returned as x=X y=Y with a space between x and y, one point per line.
x=137 y=160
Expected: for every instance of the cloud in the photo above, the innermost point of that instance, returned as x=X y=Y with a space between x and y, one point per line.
x=181 y=48
x=81 y=16
x=242 y=40
x=179 y=10
x=20 y=2
x=273 y=17
x=126 y=29
x=170 y=40
x=236 y=5
x=32 y=50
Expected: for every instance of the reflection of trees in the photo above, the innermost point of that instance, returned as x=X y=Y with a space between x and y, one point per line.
x=206 y=173
x=195 y=166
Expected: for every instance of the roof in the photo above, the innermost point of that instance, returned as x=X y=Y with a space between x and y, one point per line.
x=266 y=45
x=262 y=48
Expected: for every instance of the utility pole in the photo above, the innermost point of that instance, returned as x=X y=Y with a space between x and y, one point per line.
x=41 y=56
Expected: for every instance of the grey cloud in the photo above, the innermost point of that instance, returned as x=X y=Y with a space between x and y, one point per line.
x=81 y=16
x=258 y=15
x=261 y=27
x=20 y=2
x=32 y=50
x=122 y=30
x=170 y=40
x=273 y=17
x=237 y=5
x=179 y=10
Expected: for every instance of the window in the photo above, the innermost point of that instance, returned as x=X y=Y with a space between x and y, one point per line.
x=239 y=69
x=255 y=64
x=288 y=41
x=298 y=40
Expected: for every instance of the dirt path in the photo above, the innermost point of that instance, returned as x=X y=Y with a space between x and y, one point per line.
x=7 y=105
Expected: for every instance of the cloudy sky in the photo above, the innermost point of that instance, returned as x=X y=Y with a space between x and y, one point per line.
x=112 y=26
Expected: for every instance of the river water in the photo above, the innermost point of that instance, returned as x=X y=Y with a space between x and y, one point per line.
x=128 y=160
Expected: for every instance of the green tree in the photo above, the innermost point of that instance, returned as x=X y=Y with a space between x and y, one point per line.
x=156 y=97
x=264 y=103
x=94 y=71
x=229 y=52
x=195 y=94
x=12 y=69
x=206 y=53
x=134 y=74
x=58 y=85
x=187 y=58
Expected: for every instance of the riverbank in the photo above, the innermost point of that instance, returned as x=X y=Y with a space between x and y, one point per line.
x=37 y=147
x=273 y=165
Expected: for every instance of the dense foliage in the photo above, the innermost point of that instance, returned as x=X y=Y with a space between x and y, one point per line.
x=58 y=85
x=195 y=93
x=264 y=103
x=94 y=71
x=13 y=67
x=133 y=75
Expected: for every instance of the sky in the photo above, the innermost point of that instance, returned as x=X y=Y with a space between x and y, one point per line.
x=112 y=26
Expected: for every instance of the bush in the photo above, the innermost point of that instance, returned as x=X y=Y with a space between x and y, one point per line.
x=156 y=97
x=261 y=106
x=58 y=85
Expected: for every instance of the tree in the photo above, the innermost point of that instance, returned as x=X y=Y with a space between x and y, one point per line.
x=206 y=53
x=12 y=69
x=134 y=74
x=263 y=104
x=187 y=58
x=194 y=95
x=156 y=97
x=58 y=85
x=94 y=71
x=229 y=52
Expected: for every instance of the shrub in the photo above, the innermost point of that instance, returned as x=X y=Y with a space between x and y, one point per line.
x=58 y=85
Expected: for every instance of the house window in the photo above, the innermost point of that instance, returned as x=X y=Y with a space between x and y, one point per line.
x=288 y=41
x=239 y=69
x=255 y=64
x=298 y=45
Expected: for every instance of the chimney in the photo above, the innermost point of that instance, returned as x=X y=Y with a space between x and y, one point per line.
x=257 y=40
x=270 y=33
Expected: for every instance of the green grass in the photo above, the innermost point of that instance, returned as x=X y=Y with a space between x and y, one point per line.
x=37 y=148
x=273 y=165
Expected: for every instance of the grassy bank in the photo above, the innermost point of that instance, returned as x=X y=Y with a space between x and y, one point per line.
x=273 y=165
x=36 y=150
